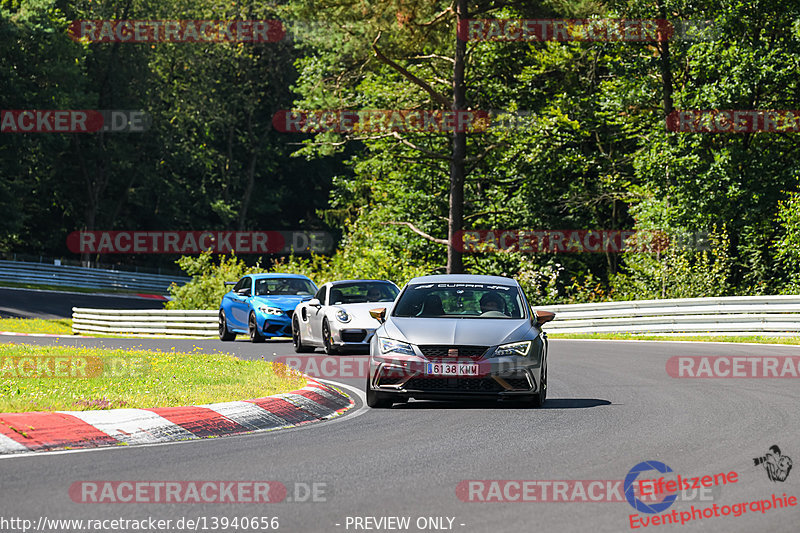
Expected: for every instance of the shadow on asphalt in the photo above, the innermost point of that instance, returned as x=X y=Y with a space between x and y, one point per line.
x=554 y=403
x=287 y=341
x=242 y=337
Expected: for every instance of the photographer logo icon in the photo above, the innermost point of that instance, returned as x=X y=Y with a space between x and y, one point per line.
x=777 y=466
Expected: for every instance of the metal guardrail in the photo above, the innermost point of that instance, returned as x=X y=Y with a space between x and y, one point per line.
x=91 y=278
x=139 y=323
x=773 y=316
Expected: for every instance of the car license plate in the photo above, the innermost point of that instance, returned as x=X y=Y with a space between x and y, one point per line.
x=451 y=369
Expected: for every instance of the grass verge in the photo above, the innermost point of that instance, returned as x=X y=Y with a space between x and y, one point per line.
x=48 y=378
x=62 y=326
x=708 y=338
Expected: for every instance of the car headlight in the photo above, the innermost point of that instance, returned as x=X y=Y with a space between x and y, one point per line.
x=270 y=310
x=342 y=316
x=515 y=348
x=389 y=346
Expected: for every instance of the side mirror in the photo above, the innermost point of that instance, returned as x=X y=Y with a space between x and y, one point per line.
x=314 y=302
x=378 y=314
x=244 y=292
x=540 y=317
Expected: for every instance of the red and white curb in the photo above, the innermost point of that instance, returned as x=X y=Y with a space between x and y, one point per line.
x=59 y=430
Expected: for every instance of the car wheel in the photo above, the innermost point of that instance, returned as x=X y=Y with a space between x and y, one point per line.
x=327 y=340
x=376 y=400
x=538 y=399
x=224 y=334
x=299 y=347
x=252 y=327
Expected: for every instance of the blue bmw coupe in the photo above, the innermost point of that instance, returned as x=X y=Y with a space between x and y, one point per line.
x=261 y=305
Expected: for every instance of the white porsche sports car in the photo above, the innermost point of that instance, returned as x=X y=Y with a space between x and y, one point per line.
x=337 y=318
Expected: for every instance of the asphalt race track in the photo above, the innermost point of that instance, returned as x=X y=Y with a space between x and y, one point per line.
x=28 y=303
x=611 y=405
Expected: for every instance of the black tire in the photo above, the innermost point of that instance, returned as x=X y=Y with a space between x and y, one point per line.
x=327 y=341
x=297 y=341
x=224 y=334
x=252 y=327
x=376 y=400
x=538 y=399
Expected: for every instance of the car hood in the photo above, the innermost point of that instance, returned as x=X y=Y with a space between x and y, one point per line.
x=283 y=302
x=457 y=331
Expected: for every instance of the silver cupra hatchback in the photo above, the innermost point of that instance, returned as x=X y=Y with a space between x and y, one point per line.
x=458 y=336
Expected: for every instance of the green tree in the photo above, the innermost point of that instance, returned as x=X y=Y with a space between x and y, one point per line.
x=788 y=244
x=207 y=286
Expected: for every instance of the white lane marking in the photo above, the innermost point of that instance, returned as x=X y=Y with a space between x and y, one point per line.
x=133 y=426
x=341 y=418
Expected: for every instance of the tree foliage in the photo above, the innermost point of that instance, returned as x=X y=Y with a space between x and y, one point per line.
x=593 y=151
x=211 y=160
x=207 y=286
x=590 y=149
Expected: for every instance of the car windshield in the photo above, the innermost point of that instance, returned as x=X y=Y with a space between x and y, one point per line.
x=284 y=286
x=363 y=291
x=460 y=300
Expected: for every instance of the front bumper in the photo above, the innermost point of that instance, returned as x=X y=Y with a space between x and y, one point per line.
x=497 y=377
x=275 y=325
x=353 y=337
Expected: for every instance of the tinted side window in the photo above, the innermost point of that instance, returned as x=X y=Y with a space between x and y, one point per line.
x=244 y=283
x=321 y=295
x=525 y=304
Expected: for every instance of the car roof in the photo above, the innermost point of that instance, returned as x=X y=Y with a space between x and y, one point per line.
x=266 y=275
x=341 y=281
x=464 y=278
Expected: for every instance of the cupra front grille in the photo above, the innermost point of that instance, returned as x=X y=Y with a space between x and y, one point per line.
x=437 y=351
